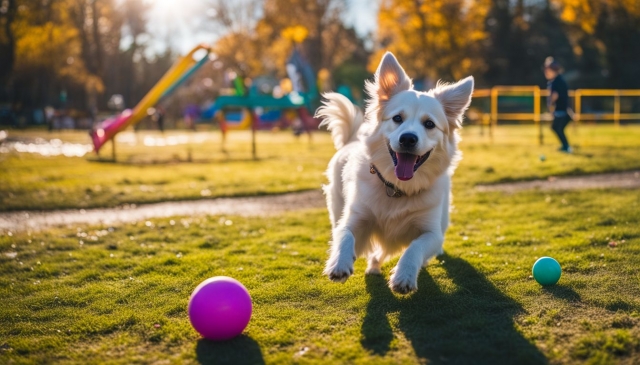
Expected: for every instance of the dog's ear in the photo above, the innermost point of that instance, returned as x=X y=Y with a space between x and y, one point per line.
x=455 y=99
x=390 y=79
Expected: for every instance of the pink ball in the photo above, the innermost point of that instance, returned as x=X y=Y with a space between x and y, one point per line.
x=220 y=308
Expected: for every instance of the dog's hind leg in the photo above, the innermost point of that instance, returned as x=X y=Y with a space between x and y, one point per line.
x=373 y=265
x=374 y=262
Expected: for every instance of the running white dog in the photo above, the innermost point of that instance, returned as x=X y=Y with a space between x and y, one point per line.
x=390 y=180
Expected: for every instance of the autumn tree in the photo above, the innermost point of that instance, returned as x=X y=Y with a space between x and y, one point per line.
x=605 y=36
x=69 y=54
x=327 y=42
x=520 y=35
x=259 y=36
x=8 y=10
x=433 y=39
x=48 y=53
x=238 y=46
x=129 y=63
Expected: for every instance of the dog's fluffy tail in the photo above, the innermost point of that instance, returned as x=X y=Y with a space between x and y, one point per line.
x=341 y=117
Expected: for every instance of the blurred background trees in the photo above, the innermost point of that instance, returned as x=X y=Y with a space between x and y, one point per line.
x=257 y=37
x=76 y=54
x=433 y=39
x=504 y=42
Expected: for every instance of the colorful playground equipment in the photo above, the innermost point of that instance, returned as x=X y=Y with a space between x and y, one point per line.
x=276 y=111
x=181 y=71
x=230 y=120
x=253 y=110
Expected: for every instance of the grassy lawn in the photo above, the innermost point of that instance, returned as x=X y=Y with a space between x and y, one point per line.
x=515 y=153
x=147 y=174
x=118 y=294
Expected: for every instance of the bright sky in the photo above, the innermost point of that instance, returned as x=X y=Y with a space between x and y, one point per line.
x=174 y=21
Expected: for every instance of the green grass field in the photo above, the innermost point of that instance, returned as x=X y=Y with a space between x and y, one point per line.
x=100 y=294
x=152 y=174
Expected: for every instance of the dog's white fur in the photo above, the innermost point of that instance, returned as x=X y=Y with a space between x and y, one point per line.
x=367 y=222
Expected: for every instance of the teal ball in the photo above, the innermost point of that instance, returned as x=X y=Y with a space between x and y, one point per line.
x=542 y=158
x=547 y=271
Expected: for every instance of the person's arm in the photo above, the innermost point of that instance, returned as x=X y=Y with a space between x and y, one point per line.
x=551 y=101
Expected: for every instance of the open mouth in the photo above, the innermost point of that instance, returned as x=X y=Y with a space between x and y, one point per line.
x=406 y=163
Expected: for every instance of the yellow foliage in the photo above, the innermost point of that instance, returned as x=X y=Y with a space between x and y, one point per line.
x=568 y=15
x=53 y=47
x=296 y=33
x=632 y=6
x=46 y=46
x=585 y=13
x=433 y=39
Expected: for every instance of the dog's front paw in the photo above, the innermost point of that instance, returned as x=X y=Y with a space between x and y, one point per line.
x=339 y=269
x=403 y=282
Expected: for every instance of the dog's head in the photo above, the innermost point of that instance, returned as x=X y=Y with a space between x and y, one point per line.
x=414 y=135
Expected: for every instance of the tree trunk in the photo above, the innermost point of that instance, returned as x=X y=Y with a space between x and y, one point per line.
x=7 y=50
x=97 y=39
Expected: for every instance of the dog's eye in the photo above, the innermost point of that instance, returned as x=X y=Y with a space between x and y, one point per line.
x=397 y=118
x=429 y=124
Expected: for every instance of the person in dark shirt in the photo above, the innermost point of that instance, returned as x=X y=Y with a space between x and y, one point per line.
x=558 y=101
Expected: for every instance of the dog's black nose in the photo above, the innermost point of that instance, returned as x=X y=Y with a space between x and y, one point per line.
x=408 y=140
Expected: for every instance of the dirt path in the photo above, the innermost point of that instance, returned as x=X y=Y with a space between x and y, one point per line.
x=252 y=206
x=619 y=180
x=273 y=204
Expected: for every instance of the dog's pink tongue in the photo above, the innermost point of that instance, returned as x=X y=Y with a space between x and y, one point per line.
x=404 y=168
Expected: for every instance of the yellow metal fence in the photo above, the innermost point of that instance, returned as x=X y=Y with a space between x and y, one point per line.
x=537 y=94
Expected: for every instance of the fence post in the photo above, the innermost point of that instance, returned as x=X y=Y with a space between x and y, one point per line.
x=494 y=110
x=578 y=97
x=536 y=113
x=616 y=108
x=485 y=121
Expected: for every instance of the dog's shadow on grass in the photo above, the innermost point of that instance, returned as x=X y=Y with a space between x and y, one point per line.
x=473 y=324
x=240 y=350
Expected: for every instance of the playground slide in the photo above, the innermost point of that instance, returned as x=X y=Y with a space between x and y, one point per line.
x=179 y=72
